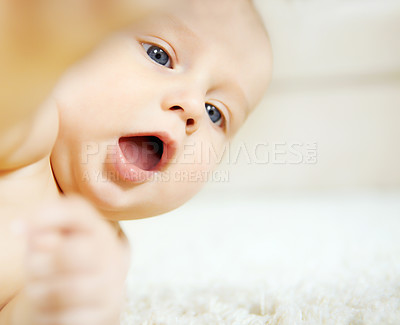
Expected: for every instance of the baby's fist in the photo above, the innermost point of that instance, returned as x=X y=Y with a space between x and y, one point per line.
x=76 y=263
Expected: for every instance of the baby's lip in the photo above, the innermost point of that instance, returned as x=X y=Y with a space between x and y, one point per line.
x=168 y=151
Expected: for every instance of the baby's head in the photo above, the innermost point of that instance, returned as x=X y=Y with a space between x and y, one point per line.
x=156 y=104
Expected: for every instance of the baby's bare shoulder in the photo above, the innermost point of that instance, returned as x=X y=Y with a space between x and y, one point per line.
x=29 y=140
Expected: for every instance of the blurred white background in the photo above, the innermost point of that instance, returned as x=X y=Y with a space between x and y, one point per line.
x=336 y=85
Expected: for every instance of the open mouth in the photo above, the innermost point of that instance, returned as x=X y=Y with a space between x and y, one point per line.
x=137 y=158
x=144 y=152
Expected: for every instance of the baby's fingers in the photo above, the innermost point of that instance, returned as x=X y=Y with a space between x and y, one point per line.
x=68 y=256
x=65 y=292
x=67 y=216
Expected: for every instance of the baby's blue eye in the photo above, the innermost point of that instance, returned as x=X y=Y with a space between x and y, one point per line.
x=158 y=55
x=214 y=114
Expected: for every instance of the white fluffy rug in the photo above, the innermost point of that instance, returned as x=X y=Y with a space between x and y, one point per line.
x=260 y=259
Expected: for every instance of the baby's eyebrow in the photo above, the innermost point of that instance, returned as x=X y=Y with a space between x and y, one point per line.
x=181 y=27
x=237 y=92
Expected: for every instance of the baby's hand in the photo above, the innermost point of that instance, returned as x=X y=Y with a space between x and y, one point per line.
x=76 y=267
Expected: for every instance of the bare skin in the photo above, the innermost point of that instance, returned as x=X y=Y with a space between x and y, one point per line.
x=69 y=266
x=64 y=282
x=35 y=48
x=39 y=39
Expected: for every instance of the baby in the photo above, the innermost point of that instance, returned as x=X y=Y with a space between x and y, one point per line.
x=141 y=107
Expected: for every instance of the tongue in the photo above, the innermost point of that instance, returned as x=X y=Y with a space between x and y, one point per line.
x=144 y=152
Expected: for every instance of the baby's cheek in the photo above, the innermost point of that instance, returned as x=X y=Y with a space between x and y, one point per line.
x=190 y=171
x=194 y=170
x=204 y=155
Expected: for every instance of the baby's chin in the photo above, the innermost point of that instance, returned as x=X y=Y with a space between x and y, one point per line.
x=146 y=200
x=118 y=200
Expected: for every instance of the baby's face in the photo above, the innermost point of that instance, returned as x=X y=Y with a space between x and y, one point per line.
x=155 y=106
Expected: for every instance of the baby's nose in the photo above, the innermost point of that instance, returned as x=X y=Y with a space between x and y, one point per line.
x=189 y=106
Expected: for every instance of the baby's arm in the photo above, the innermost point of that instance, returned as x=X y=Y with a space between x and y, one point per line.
x=76 y=267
